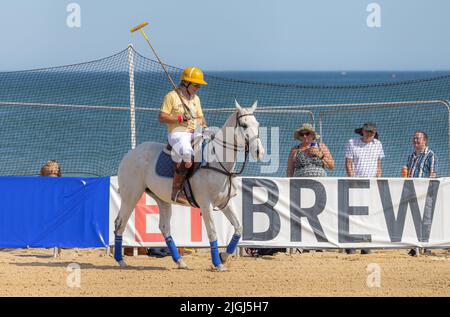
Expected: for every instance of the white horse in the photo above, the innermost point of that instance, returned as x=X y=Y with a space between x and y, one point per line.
x=211 y=185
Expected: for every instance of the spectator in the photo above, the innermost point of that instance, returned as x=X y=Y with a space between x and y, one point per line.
x=363 y=157
x=308 y=159
x=422 y=162
x=52 y=169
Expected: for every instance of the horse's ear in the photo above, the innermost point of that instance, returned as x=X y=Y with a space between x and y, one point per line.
x=255 y=105
x=238 y=107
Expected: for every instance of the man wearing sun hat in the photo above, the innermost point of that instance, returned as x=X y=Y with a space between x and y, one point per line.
x=363 y=157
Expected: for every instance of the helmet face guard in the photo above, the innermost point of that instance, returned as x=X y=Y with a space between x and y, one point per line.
x=193 y=75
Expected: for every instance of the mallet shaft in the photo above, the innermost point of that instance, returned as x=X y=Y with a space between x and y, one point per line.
x=159 y=60
x=140 y=28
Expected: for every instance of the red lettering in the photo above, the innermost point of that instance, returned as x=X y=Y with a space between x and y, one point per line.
x=196 y=225
x=141 y=212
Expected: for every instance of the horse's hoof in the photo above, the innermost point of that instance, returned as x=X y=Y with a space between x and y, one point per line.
x=182 y=265
x=122 y=264
x=220 y=268
x=224 y=257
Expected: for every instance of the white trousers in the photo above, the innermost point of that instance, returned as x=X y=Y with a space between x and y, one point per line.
x=181 y=145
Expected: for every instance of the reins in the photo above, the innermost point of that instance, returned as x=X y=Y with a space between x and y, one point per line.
x=235 y=147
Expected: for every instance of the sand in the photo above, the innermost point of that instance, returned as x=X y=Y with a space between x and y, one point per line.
x=34 y=272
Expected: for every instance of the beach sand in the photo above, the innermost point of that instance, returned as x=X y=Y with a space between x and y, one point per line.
x=34 y=272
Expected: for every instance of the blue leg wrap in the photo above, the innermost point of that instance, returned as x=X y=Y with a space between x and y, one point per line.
x=173 y=249
x=118 y=248
x=215 y=253
x=233 y=244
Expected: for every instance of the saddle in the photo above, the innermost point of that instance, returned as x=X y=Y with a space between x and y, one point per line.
x=164 y=168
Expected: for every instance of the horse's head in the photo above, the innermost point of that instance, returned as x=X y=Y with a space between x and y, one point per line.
x=249 y=128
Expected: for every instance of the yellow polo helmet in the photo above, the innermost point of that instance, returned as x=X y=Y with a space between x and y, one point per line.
x=193 y=75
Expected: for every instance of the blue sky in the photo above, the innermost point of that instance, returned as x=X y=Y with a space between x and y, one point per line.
x=233 y=34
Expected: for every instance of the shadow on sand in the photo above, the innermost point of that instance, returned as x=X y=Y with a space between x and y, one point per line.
x=113 y=266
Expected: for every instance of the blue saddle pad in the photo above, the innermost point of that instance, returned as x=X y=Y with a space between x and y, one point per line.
x=164 y=165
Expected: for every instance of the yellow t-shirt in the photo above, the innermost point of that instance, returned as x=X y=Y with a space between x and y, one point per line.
x=172 y=105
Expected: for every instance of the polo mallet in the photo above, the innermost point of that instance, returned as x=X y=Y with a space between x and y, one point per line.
x=140 y=27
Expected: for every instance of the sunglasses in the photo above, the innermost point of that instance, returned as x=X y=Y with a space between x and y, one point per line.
x=304 y=133
x=196 y=85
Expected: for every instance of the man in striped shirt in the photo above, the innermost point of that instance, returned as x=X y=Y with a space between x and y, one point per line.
x=421 y=163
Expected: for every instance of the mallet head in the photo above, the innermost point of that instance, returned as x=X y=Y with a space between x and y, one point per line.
x=140 y=26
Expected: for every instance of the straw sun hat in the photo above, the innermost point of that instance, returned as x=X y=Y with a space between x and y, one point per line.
x=306 y=127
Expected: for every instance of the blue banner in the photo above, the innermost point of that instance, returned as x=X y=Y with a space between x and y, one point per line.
x=40 y=212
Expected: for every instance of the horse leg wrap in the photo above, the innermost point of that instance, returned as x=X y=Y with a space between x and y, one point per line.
x=173 y=249
x=233 y=244
x=215 y=253
x=118 y=248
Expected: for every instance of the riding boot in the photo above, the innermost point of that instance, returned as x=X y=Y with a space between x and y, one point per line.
x=177 y=185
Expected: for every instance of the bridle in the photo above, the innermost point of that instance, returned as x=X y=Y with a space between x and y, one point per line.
x=236 y=148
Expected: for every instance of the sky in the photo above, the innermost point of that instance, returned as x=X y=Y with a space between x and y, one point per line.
x=238 y=35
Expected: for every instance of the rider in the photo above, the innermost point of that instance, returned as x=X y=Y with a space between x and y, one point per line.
x=182 y=112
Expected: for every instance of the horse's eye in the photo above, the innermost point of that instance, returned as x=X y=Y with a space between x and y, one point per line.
x=244 y=125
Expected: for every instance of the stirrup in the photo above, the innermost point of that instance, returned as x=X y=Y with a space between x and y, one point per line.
x=180 y=198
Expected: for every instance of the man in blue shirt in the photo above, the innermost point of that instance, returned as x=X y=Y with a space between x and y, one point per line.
x=421 y=163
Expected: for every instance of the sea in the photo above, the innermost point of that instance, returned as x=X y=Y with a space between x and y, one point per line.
x=328 y=78
x=39 y=123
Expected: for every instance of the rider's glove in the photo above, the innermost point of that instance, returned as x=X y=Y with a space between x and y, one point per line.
x=184 y=118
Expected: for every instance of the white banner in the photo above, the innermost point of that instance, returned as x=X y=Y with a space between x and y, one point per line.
x=309 y=213
x=187 y=226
